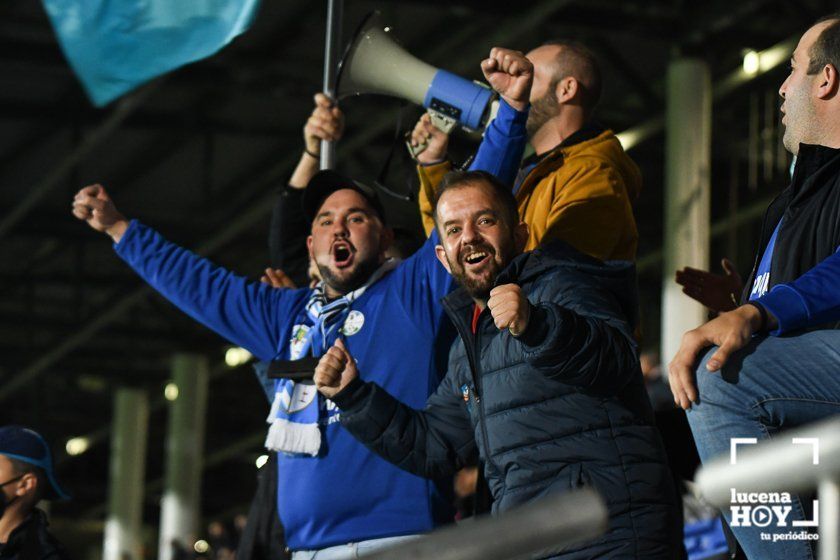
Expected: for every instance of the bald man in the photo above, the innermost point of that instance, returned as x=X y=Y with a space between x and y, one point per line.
x=579 y=185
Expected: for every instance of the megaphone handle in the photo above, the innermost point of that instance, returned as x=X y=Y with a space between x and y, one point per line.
x=413 y=150
x=442 y=122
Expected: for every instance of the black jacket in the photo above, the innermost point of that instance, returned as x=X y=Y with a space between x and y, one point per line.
x=810 y=207
x=562 y=407
x=31 y=541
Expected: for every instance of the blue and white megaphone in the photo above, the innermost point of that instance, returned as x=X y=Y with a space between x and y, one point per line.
x=375 y=63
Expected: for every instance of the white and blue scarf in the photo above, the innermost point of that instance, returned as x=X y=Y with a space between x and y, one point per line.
x=298 y=412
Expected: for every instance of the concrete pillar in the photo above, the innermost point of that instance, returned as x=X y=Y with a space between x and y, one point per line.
x=180 y=506
x=687 y=185
x=123 y=537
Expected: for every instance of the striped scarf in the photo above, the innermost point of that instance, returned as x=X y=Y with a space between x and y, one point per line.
x=298 y=412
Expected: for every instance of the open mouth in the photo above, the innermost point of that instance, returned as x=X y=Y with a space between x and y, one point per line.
x=476 y=257
x=342 y=254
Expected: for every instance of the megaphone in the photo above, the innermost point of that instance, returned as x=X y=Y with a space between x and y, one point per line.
x=375 y=63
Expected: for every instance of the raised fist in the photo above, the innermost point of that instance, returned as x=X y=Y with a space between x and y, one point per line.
x=335 y=371
x=510 y=308
x=510 y=74
x=93 y=205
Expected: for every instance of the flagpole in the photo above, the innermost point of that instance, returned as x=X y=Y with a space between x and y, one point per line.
x=331 y=48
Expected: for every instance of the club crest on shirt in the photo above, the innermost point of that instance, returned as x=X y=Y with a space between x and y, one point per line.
x=353 y=324
x=466 y=394
x=297 y=341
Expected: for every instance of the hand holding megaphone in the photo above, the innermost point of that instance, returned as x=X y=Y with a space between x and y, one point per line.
x=428 y=143
x=507 y=71
x=511 y=75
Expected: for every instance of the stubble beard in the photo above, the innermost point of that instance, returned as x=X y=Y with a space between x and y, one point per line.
x=479 y=287
x=542 y=110
x=355 y=280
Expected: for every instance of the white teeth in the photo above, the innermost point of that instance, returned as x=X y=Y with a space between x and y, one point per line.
x=476 y=256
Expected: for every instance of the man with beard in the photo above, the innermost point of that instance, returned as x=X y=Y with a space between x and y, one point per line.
x=543 y=383
x=331 y=491
x=579 y=185
x=749 y=384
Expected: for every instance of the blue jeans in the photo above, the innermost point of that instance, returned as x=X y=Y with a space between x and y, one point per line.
x=350 y=551
x=773 y=384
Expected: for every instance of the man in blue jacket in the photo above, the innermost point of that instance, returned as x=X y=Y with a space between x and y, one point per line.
x=544 y=382
x=750 y=385
x=331 y=490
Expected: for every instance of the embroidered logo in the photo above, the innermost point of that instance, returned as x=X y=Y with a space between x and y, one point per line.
x=296 y=344
x=353 y=324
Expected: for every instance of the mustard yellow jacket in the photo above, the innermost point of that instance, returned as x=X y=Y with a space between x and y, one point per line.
x=582 y=194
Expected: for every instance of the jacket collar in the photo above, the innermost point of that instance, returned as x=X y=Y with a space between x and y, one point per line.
x=811 y=162
x=590 y=130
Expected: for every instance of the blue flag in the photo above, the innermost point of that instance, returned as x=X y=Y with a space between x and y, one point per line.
x=116 y=45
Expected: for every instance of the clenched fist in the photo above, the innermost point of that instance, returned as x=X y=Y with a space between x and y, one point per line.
x=93 y=205
x=335 y=371
x=510 y=308
x=510 y=74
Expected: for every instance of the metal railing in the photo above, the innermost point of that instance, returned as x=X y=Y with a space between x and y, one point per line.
x=797 y=461
x=535 y=529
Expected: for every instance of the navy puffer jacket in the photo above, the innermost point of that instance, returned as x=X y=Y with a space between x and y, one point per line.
x=561 y=407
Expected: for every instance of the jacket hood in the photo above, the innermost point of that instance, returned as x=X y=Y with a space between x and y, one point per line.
x=618 y=277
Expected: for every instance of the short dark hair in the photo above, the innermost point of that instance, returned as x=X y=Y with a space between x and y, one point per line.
x=20 y=468
x=577 y=60
x=459 y=178
x=826 y=49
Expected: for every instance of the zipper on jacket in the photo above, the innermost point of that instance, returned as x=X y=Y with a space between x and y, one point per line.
x=472 y=347
x=476 y=352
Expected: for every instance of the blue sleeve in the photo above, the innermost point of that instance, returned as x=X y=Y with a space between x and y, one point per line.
x=422 y=282
x=248 y=314
x=812 y=299
x=504 y=142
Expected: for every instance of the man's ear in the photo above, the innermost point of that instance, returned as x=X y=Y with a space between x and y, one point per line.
x=27 y=485
x=309 y=248
x=440 y=252
x=520 y=235
x=828 y=82
x=566 y=89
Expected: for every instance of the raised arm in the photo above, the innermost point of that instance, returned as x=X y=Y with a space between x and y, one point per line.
x=246 y=313
x=501 y=149
x=289 y=227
